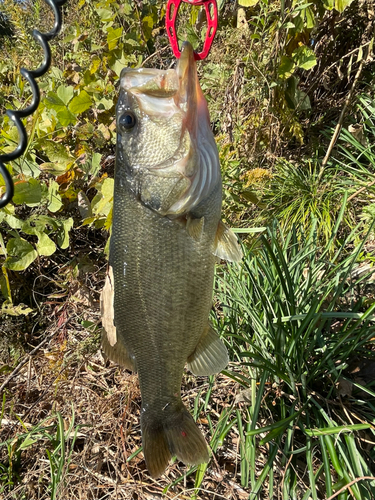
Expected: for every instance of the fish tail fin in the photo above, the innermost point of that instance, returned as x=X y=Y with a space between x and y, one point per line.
x=174 y=433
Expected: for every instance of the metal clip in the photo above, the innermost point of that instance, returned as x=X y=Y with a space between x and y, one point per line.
x=16 y=116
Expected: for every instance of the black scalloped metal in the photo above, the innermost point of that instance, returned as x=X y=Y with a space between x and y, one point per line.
x=16 y=116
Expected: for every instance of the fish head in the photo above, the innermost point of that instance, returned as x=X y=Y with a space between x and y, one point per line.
x=162 y=126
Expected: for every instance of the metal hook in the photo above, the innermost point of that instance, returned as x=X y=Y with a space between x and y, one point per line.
x=15 y=116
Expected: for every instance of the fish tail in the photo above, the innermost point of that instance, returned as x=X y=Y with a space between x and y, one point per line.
x=173 y=433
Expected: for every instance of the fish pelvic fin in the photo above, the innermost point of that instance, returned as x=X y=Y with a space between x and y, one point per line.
x=112 y=346
x=210 y=355
x=226 y=244
x=173 y=433
x=117 y=353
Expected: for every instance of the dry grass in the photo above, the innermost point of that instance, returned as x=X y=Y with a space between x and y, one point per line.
x=69 y=375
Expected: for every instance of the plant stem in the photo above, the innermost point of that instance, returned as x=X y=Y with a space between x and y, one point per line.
x=341 y=119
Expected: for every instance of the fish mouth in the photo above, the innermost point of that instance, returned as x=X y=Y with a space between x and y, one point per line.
x=188 y=78
x=156 y=90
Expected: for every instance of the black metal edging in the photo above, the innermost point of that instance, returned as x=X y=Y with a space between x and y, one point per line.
x=16 y=116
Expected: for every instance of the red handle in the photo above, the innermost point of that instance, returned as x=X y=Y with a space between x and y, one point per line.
x=170 y=24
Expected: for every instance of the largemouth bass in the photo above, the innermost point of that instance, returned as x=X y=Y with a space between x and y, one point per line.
x=166 y=237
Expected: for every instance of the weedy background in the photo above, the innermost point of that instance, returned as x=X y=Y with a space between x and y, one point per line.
x=290 y=88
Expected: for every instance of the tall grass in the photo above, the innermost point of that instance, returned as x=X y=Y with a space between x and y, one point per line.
x=293 y=318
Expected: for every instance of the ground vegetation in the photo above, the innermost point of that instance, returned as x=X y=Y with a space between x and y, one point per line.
x=291 y=93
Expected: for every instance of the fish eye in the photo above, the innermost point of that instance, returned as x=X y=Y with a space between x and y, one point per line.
x=127 y=120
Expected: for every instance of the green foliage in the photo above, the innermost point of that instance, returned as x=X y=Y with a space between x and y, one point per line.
x=292 y=315
x=57 y=442
x=71 y=131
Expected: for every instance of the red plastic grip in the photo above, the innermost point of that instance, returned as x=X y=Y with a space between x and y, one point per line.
x=170 y=24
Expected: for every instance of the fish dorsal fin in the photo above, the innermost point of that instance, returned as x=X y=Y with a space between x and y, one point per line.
x=226 y=244
x=111 y=345
x=195 y=227
x=210 y=355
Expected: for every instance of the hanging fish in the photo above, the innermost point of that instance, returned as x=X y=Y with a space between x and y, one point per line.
x=166 y=237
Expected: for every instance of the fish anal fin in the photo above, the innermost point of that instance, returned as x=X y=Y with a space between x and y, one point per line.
x=210 y=355
x=226 y=244
x=195 y=227
x=173 y=433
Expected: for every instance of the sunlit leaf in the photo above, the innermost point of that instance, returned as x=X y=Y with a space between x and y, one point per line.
x=95 y=64
x=95 y=164
x=15 y=310
x=105 y=14
x=57 y=153
x=53 y=101
x=113 y=37
x=80 y=103
x=54 y=199
x=53 y=168
x=286 y=67
x=341 y=5
x=45 y=246
x=65 y=93
x=304 y=57
x=28 y=192
x=63 y=232
x=147 y=27
x=247 y=3
x=66 y=117
x=20 y=254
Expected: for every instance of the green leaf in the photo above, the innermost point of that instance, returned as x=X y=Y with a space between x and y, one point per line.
x=105 y=14
x=29 y=441
x=341 y=5
x=147 y=27
x=63 y=232
x=66 y=117
x=286 y=67
x=57 y=153
x=104 y=103
x=310 y=18
x=120 y=63
x=80 y=103
x=28 y=192
x=247 y=3
x=13 y=221
x=95 y=164
x=45 y=245
x=53 y=197
x=53 y=168
x=20 y=254
x=304 y=57
x=65 y=93
x=53 y=101
x=113 y=37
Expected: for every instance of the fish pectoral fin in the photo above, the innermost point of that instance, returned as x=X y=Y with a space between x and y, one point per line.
x=226 y=244
x=117 y=353
x=113 y=348
x=195 y=227
x=210 y=355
